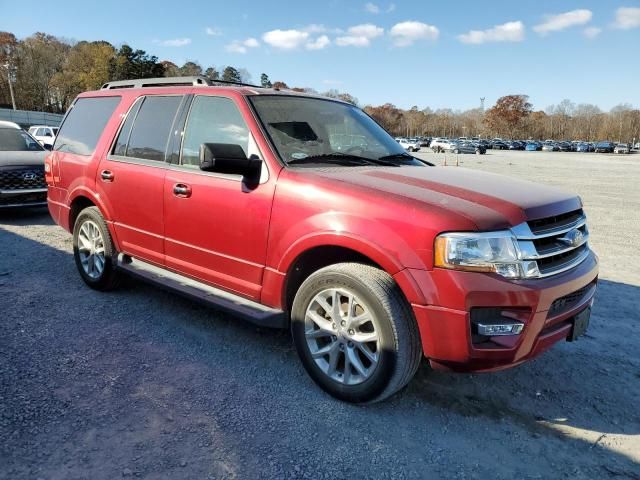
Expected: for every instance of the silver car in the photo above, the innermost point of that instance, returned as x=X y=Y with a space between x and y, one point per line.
x=622 y=148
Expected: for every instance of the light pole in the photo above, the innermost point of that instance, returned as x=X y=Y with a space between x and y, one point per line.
x=13 y=100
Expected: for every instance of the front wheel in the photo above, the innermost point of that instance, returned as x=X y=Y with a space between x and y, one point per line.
x=355 y=333
x=94 y=251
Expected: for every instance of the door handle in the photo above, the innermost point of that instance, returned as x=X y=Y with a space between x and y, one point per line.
x=107 y=175
x=182 y=190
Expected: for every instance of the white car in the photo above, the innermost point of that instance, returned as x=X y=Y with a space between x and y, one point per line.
x=621 y=148
x=410 y=145
x=44 y=134
x=440 y=144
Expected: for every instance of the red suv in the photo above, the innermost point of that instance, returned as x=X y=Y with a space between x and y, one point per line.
x=300 y=211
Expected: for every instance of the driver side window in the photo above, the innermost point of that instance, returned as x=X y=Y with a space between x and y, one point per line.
x=213 y=120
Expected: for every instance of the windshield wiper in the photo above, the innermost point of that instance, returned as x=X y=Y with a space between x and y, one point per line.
x=342 y=158
x=397 y=155
x=405 y=155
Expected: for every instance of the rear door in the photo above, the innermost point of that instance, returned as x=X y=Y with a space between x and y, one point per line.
x=131 y=177
x=217 y=231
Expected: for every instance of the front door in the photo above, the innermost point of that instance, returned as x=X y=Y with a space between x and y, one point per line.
x=216 y=227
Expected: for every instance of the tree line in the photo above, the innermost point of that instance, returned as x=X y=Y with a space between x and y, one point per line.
x=48 y=72
x=514 y=117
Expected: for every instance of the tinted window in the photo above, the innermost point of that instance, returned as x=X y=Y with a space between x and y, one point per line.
x=212 y=120
x=14 y=140
x=84 y=124
x=152 y=126
x=123 y=137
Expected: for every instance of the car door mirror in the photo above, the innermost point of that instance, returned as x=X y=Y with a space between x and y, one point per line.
x=47 y=146
x=229 y=158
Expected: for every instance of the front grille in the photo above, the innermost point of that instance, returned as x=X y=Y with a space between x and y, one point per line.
x=22 y=178
x=567 y=302
x=556 y=244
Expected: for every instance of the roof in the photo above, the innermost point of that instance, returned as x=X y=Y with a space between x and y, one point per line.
x=6 y=124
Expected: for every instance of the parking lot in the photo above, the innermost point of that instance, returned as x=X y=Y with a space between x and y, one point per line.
x=140 y=383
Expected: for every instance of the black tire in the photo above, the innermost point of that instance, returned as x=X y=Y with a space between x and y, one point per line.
x=400 y=348
x=110 y=277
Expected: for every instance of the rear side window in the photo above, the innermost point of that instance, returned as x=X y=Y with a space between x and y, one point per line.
x=84 y=124
x=151 y=129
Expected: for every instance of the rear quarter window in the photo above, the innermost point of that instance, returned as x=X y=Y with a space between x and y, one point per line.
x=84 y=124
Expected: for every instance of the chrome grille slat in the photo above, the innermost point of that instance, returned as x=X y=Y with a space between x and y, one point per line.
x=523 y=232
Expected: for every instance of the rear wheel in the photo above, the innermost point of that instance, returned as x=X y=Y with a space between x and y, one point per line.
x=94 y=251
x=355 y=333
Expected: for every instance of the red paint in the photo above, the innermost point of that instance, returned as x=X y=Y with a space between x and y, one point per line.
x=247 y=240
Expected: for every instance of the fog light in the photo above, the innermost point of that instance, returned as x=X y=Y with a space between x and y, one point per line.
x=492 y=330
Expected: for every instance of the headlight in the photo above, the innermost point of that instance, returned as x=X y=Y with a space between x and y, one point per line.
x=495 y=252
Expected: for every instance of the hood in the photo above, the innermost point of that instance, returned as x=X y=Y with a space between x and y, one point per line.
x=18 y=159
x=488 y=200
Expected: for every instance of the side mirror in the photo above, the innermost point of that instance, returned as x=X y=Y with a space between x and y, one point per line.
x=229 y=158
x=47 y=146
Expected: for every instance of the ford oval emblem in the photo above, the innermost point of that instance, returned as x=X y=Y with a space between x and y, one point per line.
x=572 y=238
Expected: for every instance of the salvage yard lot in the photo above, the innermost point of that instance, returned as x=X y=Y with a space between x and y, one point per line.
x=144 y=384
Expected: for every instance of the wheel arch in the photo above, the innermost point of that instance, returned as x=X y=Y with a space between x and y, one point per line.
x=81 y=199
x=338 y=249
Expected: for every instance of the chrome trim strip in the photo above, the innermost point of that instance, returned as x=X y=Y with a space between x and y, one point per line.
x=530 y=253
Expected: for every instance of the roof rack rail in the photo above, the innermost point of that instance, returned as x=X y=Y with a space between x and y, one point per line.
x=198 y=80
x=158 y=82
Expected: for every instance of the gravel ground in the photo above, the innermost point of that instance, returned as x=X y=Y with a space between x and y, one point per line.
x=138 y=383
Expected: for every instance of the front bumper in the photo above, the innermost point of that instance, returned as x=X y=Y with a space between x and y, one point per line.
x=445 y=325
x=33 y=197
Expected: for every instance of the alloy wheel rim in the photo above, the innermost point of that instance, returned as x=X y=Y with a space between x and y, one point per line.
x=342 y=336
x=91 y=249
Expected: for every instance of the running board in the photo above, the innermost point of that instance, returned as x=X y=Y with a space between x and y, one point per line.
x=253 y=311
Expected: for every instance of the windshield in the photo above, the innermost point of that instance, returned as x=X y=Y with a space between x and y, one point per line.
x=14 y=140
x=310 y=130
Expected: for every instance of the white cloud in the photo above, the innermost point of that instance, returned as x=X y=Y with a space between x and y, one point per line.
x=285 y=39
x=591 y=32
x=174 y=42
x=627 y=17
x=372 y=8
x=507 y=32
x=315 y=28
x=555 y=23
x=213 y=31
x=243 y=46
x=360 y=35
x=319 y=43
x=375 y=9
x=406 y=33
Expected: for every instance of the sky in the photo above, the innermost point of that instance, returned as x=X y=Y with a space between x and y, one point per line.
x=426 y=53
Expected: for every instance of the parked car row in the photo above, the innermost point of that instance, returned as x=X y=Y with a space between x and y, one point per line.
x=462 y=145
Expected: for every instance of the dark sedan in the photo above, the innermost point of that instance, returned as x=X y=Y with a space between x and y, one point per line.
x=22 y=181
x=605 y=147
x=499 y=145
